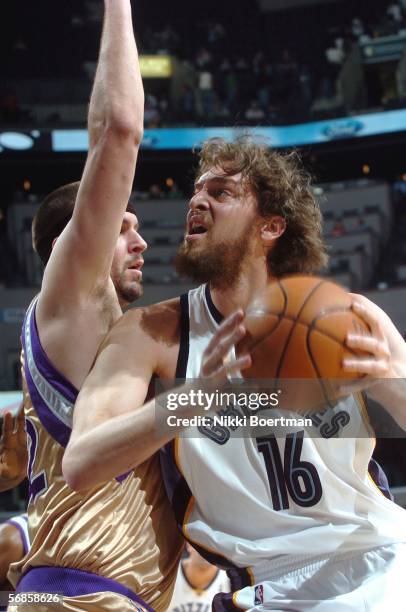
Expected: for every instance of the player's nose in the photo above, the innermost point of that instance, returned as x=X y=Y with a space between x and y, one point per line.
x=137 y=244
x=199 y=201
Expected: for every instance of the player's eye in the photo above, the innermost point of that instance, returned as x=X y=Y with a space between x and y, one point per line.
x=220 y=193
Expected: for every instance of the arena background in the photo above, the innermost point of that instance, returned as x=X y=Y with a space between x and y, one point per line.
x=327 y=78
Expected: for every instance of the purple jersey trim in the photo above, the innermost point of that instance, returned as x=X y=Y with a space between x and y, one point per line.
x=223 y=602
x=72 y=583
x=379 y=477
x=23 y=534
x=55 y=427
x=47 y=369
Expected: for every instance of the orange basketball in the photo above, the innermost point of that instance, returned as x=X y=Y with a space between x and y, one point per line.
x=296 y=329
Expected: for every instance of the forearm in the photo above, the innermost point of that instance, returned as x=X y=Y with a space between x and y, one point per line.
x=120 y=444
x=117 y=100
x=391 y=395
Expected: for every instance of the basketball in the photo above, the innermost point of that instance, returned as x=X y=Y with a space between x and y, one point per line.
x=296 y=329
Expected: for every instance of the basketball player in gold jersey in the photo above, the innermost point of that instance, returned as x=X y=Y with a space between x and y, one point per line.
x=88 y=546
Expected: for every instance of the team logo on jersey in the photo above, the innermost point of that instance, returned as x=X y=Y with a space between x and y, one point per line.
x=259 y=595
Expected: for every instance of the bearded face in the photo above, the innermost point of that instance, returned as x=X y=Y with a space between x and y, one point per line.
x=207 y=259
x=220 y=231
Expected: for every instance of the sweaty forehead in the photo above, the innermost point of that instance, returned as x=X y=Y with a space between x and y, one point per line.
x=218 y=174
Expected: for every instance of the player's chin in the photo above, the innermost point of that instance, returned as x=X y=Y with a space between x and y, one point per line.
x=132 y=291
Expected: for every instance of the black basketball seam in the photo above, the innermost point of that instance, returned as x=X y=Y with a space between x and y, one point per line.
x=264 y=338
x=313 y=327
x=280 y=315
x=315 y=367
x=293 y=327
x=288 y=318
x=329 y=335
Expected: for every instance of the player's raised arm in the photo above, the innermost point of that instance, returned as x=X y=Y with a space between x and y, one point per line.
x=113 y=430
x=82 y=256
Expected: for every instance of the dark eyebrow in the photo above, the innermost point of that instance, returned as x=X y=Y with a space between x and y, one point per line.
x=225 y=181
x=125 y=223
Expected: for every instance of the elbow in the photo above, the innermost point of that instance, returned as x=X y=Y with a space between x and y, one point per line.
x=74 y=472
x=124 y=124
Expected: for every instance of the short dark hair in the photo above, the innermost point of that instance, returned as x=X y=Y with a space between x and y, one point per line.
x=52 y=216
x=282 y=187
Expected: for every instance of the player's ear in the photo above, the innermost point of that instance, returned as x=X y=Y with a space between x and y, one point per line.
x=54 y=241
x=272 y=229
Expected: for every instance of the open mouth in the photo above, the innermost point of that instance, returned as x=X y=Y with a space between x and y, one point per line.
x=197 y=229
x=136 y=266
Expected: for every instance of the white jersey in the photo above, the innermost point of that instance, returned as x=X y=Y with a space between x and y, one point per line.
x=188 y=599
x=256 y=506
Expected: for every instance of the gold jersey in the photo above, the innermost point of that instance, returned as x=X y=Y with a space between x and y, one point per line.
x=123 y=531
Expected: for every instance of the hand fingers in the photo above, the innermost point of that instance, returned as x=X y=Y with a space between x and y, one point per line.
x=370 y=344
x=226 y=327
x=236 y=365
x=7 y=427
x=366 y=365
x=356 y=386
x=231 y=368
x=368 y=316
x=214 y=357
x=21 y=420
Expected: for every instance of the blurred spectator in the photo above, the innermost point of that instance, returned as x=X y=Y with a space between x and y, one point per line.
x=254 y=113
x=155 y=192
x=10 y=111
x=207 y=97
x=338 y=228
x=197 y=583
x=357 y=28
x=152 y=118
x=203 y=58
x=187 y=104
x=395 y=12
x=362 y=225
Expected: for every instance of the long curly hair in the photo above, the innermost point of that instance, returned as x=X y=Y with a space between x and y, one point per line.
x=282 y=187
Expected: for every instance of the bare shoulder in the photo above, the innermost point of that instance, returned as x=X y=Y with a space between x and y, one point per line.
x=146 y=337
x=162 y=321
x=158 y=323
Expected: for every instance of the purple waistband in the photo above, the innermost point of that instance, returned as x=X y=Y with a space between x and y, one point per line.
x=72 y=583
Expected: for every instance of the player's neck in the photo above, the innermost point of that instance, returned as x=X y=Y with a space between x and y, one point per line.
x=199 y=577
x=241 y=293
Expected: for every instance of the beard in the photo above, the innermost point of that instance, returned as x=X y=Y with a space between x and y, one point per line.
x=128 y=292
x=219 y=264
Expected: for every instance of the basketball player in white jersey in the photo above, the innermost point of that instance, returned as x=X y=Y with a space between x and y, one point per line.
x=297 y=520
x=197 y=583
